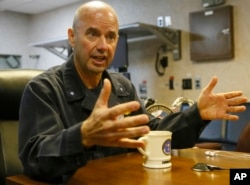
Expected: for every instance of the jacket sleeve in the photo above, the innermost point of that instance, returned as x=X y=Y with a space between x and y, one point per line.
x=186 y=127
x=46 y=148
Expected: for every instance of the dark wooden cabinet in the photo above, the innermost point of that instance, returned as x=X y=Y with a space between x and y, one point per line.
x=211 y=34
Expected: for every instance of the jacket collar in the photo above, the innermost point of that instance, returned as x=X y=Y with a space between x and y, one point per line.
x=76 y=90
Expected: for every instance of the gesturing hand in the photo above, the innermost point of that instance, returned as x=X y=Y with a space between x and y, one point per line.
x=219 y=106
x=104 y=128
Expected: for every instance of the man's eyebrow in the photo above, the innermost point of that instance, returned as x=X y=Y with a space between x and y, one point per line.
x=91 y=29
x=110 y=33
x=113 y=33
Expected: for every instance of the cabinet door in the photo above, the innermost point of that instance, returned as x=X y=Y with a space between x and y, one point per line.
x=211 y=34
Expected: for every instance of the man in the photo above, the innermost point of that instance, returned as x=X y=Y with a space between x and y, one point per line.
x=78 y=111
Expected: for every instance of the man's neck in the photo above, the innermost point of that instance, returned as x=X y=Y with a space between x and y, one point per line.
x=90 y=80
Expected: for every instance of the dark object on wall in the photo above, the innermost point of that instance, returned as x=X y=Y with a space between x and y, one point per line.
x=211 y=34
x=161 y=61
x=161 y=64
x=11 y=61
x=187 y=83
x=210 y=3
x=121 y=55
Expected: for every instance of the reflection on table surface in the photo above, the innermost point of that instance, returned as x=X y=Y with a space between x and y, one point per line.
x=127 y=169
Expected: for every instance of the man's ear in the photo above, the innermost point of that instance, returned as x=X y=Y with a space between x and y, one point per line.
x=71 y=37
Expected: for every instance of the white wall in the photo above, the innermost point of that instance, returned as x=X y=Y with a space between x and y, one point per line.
x=14 y=29
x=233 y=74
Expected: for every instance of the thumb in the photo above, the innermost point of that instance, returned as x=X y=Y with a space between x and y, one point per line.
x=208 y=89
x=104 y=95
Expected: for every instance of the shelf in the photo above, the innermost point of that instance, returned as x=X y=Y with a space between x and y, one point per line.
x=170 y=37
x=137 y=31
x=56 y=46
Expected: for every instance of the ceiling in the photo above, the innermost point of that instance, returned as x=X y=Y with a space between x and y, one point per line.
x=33 y=6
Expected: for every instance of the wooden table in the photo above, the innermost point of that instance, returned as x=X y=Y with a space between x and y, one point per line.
x=127 y=169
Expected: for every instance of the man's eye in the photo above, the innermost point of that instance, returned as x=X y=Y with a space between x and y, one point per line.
x=111 y=38
x=92 y=35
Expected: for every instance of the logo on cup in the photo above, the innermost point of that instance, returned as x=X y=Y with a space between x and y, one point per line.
x=166 y=147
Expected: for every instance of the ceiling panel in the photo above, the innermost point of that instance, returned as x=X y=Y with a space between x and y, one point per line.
x=33 y=6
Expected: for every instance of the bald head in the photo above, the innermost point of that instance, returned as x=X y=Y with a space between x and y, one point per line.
x=94 y=37
x=97 y=8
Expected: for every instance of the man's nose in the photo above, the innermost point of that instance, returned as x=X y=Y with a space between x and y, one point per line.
x=102 y=43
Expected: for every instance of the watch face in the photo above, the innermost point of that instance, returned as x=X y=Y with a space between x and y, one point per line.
x=166 y=147
x=181 y=103
x=159 y=111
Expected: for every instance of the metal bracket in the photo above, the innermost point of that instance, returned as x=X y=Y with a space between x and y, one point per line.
x=59 y=47
x=170 y=37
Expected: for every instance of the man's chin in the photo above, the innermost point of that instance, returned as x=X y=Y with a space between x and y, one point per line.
x=98 y=70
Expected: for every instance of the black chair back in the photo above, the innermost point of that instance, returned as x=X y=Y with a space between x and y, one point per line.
x=12 y=84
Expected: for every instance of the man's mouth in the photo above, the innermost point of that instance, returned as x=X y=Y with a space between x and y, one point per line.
x=99 y=58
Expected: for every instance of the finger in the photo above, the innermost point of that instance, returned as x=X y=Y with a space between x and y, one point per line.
x=131 y=143
x=131 y=121
x=236 y=108
x=233 y=94
x=124 y=137
x=105 y=93
x=231 y=117
x=134 y=132
x=236 y=101
x=112 y=126
x=126 y=143
x=122 y=109
x=211 y=85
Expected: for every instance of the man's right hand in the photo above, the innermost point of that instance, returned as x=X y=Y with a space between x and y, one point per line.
x=104 y=127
